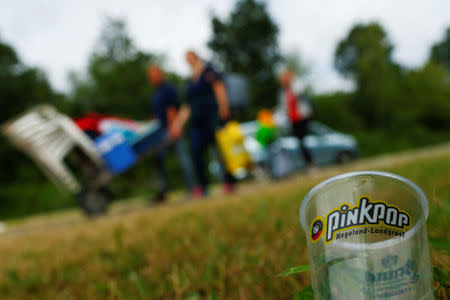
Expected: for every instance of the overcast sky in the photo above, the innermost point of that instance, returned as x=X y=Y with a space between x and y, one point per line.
x=59 y=35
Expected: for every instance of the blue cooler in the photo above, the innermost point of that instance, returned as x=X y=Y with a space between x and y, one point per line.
x=116 y=152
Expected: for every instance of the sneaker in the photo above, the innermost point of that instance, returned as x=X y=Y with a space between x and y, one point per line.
x=197 y=192
x=228 y=188
x=157 y=199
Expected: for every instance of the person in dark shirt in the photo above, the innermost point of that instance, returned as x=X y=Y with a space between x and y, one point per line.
x=207 y=108
x=164 y=107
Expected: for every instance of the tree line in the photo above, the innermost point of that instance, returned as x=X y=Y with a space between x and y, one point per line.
x=392 y=107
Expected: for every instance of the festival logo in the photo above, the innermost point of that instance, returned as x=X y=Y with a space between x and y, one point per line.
x=316 y=229
x=363 y=214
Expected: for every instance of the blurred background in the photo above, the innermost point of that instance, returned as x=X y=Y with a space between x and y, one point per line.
x=378 y=70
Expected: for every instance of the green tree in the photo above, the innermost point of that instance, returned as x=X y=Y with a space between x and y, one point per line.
x=365 y=44
x=23 y=189
x=397 y=107
x=427 y=91
x=116 y=81
x=21 y=87
x=365 y=56
x=246 y=43
x=440 y=52
x=8 y=59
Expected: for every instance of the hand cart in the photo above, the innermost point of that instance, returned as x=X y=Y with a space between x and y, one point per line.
x=69 y=158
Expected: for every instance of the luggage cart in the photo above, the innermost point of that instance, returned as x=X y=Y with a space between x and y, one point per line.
x=68 y=157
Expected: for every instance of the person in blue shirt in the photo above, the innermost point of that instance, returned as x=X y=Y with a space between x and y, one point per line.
x=207 y=108
x=164 y=106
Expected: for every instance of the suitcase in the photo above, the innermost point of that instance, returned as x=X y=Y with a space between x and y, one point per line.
x=115 y=151
x=283 y=161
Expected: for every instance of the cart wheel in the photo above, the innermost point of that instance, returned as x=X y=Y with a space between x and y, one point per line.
x=94 y=202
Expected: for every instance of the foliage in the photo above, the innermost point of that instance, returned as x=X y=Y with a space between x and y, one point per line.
x=335 y=110
x=305 y=294
x=33 y=196
x=246 y=43
x=392 y=108
x=365 y=56
x=365 y=46
x=116 y=81
x=21 y=87
x=440 y=52
x=427 y=103
x=442 y=281
x=8 y=59
x=388 y=97
x=294 y=270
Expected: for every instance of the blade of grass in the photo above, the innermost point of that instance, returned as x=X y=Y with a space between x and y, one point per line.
x=294 y=270
x=305 y=294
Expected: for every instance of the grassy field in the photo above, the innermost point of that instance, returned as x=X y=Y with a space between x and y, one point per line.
x=223 y=248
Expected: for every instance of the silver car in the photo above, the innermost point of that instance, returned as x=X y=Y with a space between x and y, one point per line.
x=326 y=145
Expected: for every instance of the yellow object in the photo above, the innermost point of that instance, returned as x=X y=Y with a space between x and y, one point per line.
x=230 y=141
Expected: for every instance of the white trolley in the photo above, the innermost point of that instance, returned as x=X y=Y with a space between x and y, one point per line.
x=54 y=142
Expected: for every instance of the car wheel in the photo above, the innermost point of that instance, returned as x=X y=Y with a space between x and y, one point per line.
x=344 y=157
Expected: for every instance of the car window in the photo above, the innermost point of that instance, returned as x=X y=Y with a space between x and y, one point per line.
x=319 y=128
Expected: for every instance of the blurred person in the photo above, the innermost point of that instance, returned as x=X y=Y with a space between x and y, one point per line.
x=207 y=108
x=164 y=107
x=298 y=114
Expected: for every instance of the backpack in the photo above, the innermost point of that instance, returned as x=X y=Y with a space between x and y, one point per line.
x=237 y=90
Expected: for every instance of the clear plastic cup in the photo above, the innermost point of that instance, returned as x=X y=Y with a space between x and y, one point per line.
x=367 y=238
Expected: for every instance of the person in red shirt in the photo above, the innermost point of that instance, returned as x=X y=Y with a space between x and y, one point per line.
x=298 y=117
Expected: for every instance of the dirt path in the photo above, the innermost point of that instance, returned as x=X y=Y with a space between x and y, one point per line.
x=65 y=219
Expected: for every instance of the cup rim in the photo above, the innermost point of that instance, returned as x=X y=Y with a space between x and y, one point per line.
x=421 y=195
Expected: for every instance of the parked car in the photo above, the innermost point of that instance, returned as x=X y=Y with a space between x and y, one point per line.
x=327 y=146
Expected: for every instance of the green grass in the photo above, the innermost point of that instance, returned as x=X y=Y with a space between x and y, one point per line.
x=19 y=200
x=32 y=194
x=225 y=248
